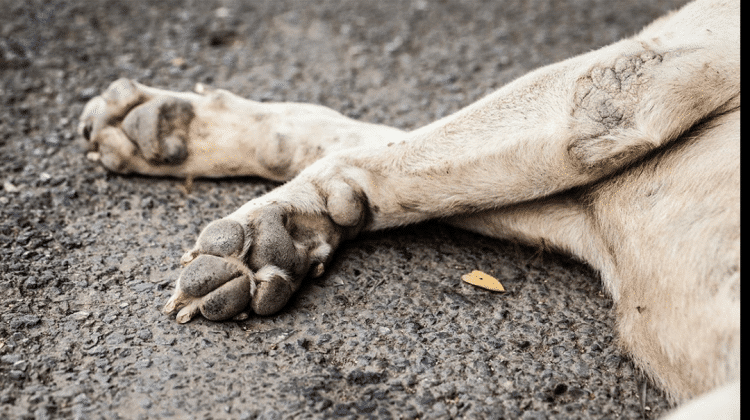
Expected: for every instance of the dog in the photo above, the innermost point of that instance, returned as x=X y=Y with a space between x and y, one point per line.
x=626 y=158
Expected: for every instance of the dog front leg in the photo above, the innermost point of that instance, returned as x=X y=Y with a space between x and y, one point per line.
x=562 y=126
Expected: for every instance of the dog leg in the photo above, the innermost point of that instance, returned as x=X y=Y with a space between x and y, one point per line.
x=665 y=236
x=132 y=128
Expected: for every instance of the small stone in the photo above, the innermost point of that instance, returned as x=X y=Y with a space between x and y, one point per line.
x=20 y=365
x=164 y=341
x=10 y=358
x=143 y=363
x=80 y=315
x=97 y=350
x=82 y=399
x=144 y=335
x=17 y=374
x=115 y=338
x=8 y=187
x=25 y=321
x=31 y=283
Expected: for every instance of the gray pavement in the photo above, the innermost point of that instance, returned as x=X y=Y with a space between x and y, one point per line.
x=87 y=258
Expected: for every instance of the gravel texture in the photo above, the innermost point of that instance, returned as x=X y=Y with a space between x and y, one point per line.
x=87 y=258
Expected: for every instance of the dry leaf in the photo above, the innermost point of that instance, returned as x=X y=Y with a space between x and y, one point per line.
x=483 y=280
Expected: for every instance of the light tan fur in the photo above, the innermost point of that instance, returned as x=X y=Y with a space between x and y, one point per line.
x=626 y=157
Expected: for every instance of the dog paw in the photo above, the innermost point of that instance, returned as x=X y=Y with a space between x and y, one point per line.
x=254 y=259
x=131 y=128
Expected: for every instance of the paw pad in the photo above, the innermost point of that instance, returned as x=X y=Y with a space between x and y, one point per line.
x=159 y=127
x=217 y=288
x=222 y=238
x=234 y=267
x=229 y=300
x=274 y=290
x=205 y=274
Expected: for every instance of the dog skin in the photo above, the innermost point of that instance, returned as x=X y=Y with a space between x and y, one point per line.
x=627 y=158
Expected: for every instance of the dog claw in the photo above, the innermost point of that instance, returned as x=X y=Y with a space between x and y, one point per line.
x=188 y=312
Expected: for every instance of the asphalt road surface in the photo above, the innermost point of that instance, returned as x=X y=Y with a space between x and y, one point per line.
x=87 y=258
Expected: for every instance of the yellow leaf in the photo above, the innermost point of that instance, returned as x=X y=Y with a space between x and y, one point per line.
x=483 y=280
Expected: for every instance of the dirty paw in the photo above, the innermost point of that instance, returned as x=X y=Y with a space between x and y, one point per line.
x=130 y=128
x=258 y=265
x=217 y=288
